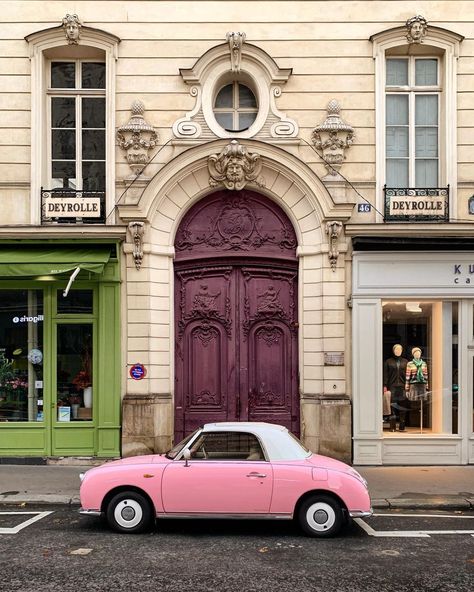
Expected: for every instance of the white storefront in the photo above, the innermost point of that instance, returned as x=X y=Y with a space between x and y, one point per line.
x=417 y=299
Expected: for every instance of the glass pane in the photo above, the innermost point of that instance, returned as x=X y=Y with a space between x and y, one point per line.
x=93 y=75
x=63 y=174
x=63 y=112
x=426 y=173
x=63 y=75
x=397 y=72
x=246 y=120
x=93 y=144
x=21 y=355
x=426 y=142
x=397 y=110
x=246 y=98
x=397 y=141
x=63 y=144
x=93 y=176
x=426 y=110
x=93 y=113
x=397 y=173
x=76 y=302
x=426 y=72
x=227 y=446
x=74 y=372
x=224 y=97
x=419 y=377
x=225 y=120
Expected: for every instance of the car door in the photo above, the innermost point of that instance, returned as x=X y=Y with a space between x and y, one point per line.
x=227 y=474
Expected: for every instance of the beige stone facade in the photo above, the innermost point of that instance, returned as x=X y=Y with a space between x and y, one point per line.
x=298 y=57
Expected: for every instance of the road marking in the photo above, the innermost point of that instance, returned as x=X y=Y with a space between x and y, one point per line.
x=410 y=533
x=16 y=529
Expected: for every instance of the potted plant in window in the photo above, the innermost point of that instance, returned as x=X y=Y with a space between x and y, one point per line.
x=83 y=381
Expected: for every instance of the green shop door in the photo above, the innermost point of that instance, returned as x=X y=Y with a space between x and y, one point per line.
x=60 y=366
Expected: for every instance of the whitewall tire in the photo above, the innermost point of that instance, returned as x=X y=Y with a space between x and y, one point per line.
x=129 y=512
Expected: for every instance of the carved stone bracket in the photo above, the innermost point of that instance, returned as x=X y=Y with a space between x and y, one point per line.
x=333 y=230
x=137 y=137
x=72 y=28
x=137 y=230
x=333 y=136
x=234 y=167
x=235 y=41
x=417 y=27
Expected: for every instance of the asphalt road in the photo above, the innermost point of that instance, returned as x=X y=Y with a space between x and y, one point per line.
x=67 y=552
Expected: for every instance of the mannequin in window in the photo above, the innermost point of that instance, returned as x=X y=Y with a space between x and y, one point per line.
x=394 y=380
x=416 y=380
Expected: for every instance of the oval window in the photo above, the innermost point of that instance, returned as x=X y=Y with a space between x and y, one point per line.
x=235 y=107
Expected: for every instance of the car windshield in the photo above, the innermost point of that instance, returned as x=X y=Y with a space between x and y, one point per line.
x=173 y=453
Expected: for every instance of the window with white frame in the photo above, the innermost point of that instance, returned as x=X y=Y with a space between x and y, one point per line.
x=412 y=121
x=235 y=107
x=77 y=118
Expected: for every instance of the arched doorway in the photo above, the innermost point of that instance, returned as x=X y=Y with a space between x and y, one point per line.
x=236 y=356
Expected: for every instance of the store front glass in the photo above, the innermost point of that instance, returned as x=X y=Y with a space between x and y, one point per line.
x=420 y=367
x=21 y=355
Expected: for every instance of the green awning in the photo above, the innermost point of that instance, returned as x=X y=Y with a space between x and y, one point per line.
x=33 y=261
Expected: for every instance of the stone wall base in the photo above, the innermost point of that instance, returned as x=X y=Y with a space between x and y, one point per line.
x=327 y=425
x=146 y=424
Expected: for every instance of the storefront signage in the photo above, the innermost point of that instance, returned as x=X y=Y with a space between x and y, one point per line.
x=25 y=319
x=424 y=206
x=138 y=371
x=463 y=274
x=71 y=207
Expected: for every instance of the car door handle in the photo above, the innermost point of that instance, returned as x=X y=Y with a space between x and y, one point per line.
x=257 y=475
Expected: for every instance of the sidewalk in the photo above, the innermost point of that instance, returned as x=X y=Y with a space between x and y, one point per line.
x=440 y=488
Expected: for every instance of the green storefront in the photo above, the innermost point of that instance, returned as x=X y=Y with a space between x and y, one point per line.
x=59 y=348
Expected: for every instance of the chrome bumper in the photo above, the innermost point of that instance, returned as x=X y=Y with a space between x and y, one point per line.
x=90 y=512
x=361 y=514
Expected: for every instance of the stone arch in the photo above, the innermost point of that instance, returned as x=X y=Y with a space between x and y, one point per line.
x=292 y=185
x=185 y=180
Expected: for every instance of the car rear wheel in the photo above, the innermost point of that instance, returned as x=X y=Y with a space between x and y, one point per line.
x=129 y=512
x=320 y=516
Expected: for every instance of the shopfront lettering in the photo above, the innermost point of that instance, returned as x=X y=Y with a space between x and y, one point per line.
x=72 y=207
x=417 y=206
x=25 y=319
x=464 y=271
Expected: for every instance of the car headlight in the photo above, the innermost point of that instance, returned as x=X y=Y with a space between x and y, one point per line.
x=81 y=476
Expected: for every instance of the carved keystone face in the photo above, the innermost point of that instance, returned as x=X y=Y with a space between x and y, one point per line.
x=235 y=170
x=72 y=30
x=416 y=30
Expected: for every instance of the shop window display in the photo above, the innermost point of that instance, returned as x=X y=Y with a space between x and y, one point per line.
x=420 y=363
x=21 y=355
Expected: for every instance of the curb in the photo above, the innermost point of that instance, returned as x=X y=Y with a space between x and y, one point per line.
x=424 y=503
x=47 y=499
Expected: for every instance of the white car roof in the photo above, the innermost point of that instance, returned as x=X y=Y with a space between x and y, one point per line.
x=278 y=443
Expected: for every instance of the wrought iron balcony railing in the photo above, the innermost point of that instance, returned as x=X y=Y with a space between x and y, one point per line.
x=70 y=206
x=407 y=204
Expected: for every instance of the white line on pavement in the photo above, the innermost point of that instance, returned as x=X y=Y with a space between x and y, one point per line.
x=422 y=516
x=409 y=533
x=22 y=525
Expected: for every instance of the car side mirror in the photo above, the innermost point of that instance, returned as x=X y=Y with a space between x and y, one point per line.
x=187 y=457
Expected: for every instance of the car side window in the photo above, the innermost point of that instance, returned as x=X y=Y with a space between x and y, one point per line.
x=227 y=446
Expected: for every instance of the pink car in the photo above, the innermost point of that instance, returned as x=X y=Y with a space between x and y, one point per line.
x=228 y=470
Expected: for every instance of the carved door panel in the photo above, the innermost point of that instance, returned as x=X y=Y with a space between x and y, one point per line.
x=206 y=380
x=269 y=347
x=236 y=347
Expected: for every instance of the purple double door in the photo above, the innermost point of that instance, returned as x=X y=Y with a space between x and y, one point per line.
x=236 y=329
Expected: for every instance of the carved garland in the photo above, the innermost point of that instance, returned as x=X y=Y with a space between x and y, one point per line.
x=333 y=230
x=137 y=230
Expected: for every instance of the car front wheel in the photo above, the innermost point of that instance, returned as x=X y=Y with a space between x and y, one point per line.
x=129 y=512
x=320 y=516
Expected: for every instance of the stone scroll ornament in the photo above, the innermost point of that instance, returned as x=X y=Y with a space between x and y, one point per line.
x=333 y=230
x=417 y=27
x=72 y=28
x=234 y=167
